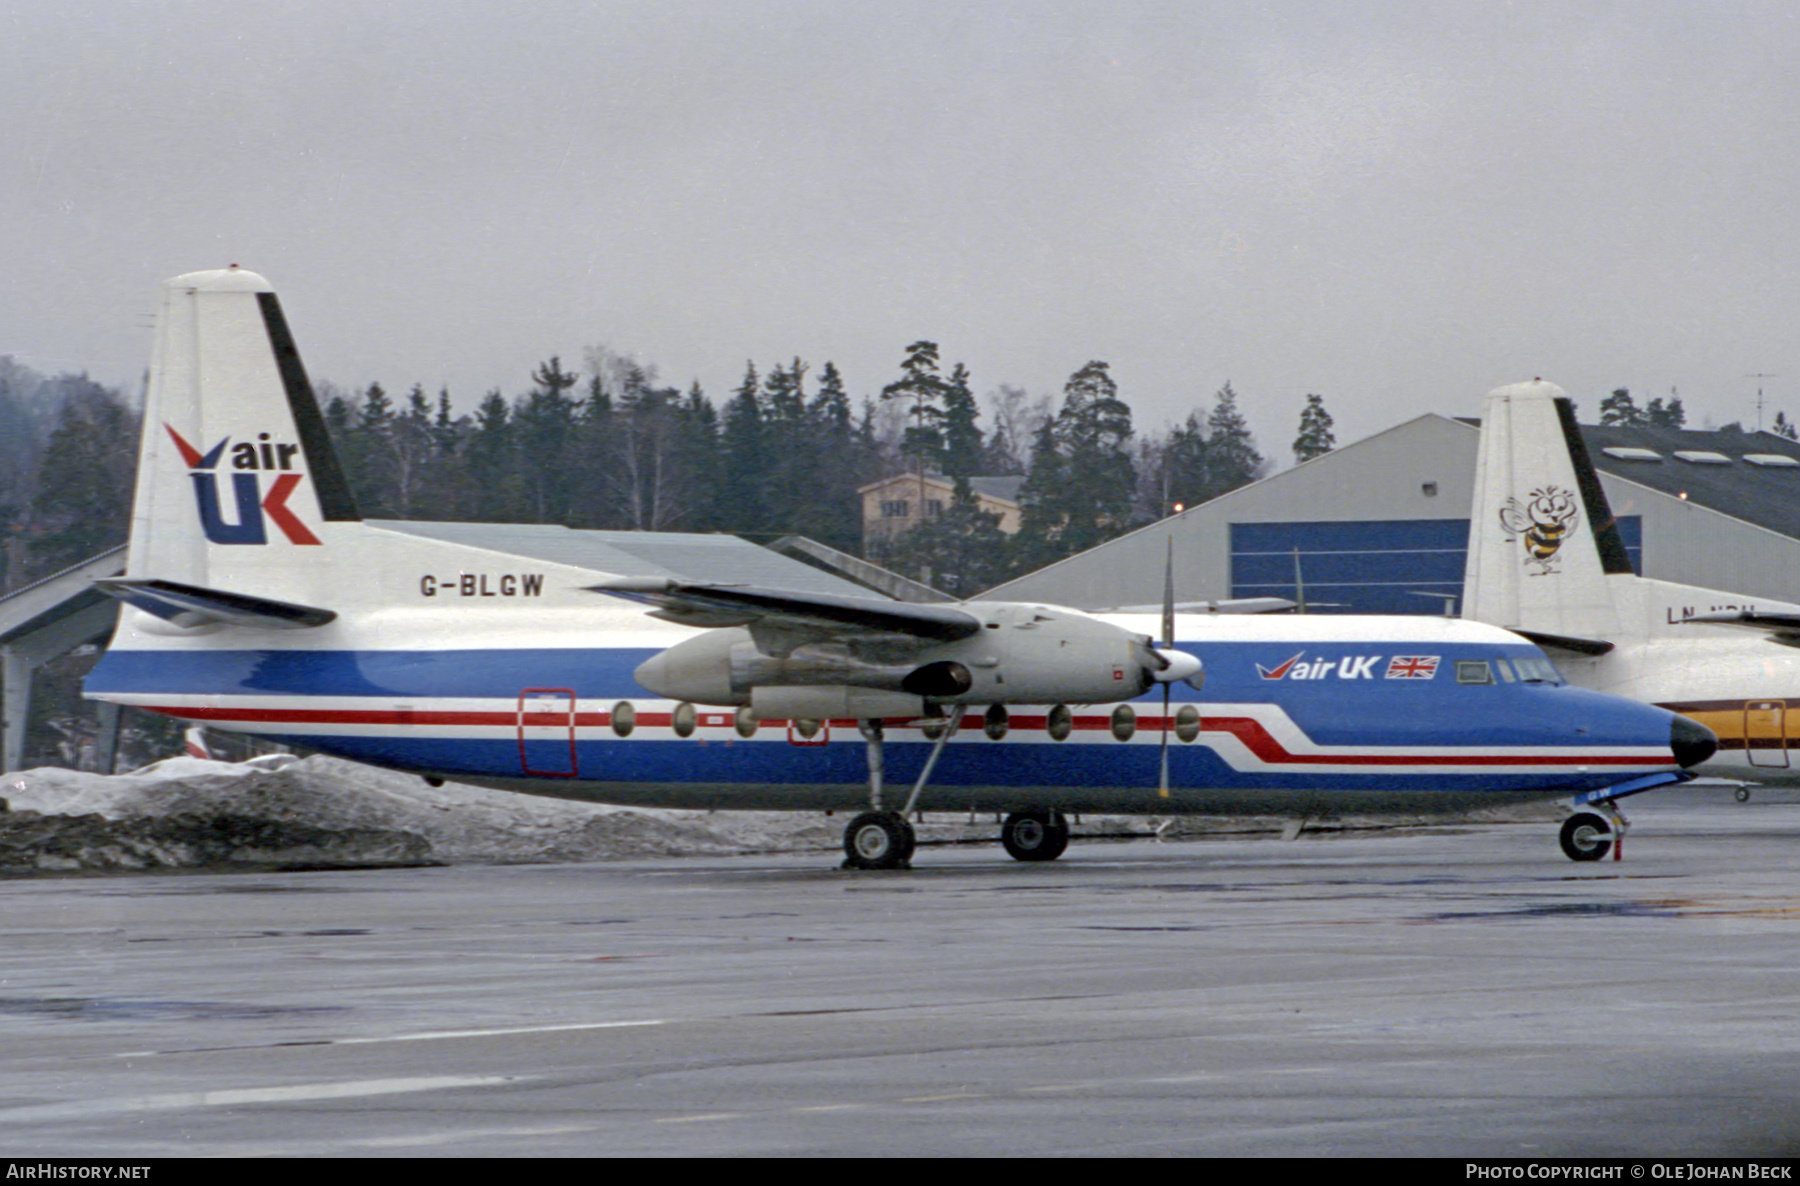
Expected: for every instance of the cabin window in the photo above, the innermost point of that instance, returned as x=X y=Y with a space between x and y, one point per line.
x=1124 y=722
x=624 y=718
x=746 y=722
x=995 y=721
x=1473 y=671
x=684 y=719
x=1059 y=723
x=1187 y=722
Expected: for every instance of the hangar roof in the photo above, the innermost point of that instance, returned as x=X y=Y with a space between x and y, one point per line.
x=57 y=597
x=1763 y=492
x=1753 y=476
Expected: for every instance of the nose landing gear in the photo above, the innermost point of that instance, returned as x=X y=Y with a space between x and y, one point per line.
x=1589 y=836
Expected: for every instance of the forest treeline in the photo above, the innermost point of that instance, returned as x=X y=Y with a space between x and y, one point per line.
x=606 y=445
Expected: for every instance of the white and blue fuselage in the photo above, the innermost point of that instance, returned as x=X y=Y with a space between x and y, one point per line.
x=1313 y=713
x=258 y=601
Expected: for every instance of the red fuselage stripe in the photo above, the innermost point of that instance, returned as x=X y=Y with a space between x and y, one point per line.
x=1250 y=732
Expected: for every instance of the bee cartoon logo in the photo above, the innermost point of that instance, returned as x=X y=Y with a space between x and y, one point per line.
x=1544 y=521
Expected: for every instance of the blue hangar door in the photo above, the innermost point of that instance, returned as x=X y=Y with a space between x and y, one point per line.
x=1370 y=566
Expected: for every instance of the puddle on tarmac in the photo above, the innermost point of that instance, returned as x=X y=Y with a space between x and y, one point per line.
x=104 y=1009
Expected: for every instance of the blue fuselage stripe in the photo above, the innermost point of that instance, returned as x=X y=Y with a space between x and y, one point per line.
x=1334 y=694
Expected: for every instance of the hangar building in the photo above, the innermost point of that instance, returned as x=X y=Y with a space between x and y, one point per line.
x=1382 y=525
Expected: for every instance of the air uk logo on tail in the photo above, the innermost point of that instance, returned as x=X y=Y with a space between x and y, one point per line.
x=253 y=507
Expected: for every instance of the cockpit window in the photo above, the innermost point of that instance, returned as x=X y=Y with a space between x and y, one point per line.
x=1535 y=669
x=1473 y=671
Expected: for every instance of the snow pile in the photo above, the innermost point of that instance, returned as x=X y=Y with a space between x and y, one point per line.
x=285 y=812
x=297 y=812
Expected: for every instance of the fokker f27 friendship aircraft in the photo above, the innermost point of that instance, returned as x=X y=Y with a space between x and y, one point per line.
x=1546 y=560
x=257 y=601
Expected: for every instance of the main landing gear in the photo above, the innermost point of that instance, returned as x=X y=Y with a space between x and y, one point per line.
x=883 y=839
x=1036 y=834
x=1590 y=835
x=879 y=840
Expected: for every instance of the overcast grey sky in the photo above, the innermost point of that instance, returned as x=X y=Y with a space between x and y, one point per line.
x=1398 y=206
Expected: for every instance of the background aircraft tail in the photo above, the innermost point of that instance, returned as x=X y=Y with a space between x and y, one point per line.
x=236 y=477
x=1545 y=556
x=1544 y=553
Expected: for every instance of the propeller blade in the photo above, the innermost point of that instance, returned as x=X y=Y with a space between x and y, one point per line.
x=1168 y=655
x=1168 y=609
x=1162 y=777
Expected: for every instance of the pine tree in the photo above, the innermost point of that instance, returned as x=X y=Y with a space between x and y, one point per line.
x=1660 y=415
x=543 y=425
x=1316 y=438
x=831 y=406
x=414 y=451
x=743 y=459
x=1082 y=483
x=1232 y=456
x=360 y=432
x=1618 y=410
x=962 y=451
x=699 y=459
x=920 y=382
x=488 y=457
x=830 y=511
x=592 y=481
x=82 y=504
x=1186 y=466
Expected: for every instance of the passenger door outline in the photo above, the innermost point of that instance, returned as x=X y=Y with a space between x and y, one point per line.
x=547 y=732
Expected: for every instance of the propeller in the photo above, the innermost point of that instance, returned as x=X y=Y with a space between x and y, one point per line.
x=1168 y=644
x=1176 y=665
x=1167 y=665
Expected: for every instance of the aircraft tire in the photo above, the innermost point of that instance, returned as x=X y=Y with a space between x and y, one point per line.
x=1037 y=834
x=879 y=840
x=1586 y=836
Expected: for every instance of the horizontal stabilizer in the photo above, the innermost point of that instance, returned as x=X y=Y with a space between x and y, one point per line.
x=1562 y=642
x=190 y=605
x=1782 y=628
x=738 y=605
x=1229 y=605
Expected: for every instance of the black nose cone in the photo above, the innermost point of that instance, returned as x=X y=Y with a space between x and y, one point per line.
x=1692 y=742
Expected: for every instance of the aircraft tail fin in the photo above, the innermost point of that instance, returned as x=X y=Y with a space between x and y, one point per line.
x=235 y=464
x=1543 y=545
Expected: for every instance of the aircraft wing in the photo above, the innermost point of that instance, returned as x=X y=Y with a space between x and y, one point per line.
x=1781 y=628
x=786 y=609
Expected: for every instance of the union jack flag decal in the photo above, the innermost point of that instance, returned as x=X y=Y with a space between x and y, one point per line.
x=1412 y=667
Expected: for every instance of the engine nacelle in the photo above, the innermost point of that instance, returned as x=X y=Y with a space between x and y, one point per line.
x=831 y=704
x=1024 y=654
